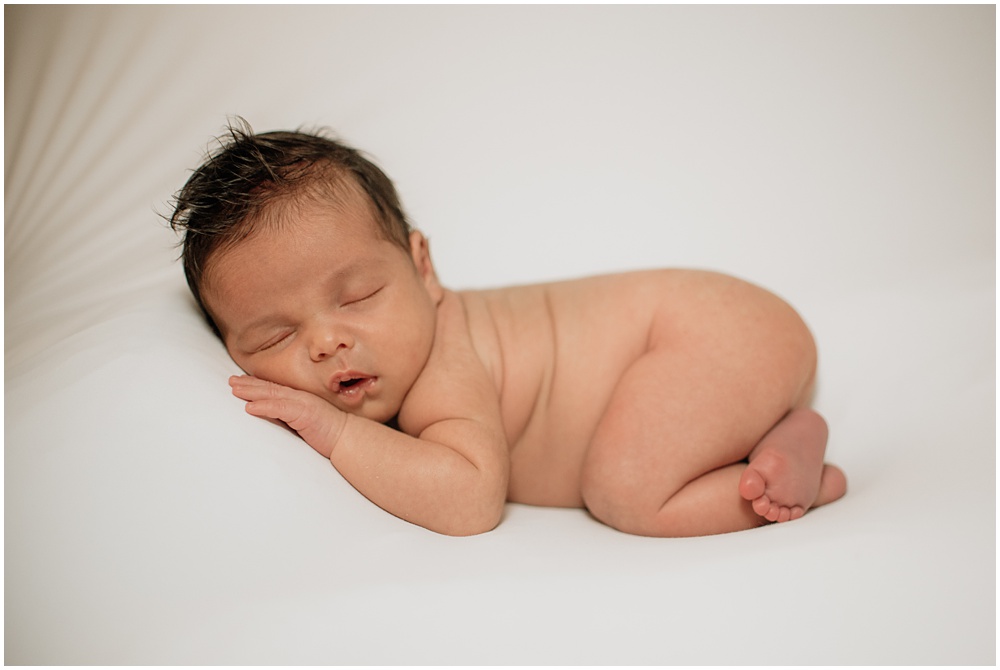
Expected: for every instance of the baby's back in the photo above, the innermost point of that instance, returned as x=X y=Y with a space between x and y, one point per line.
x=556 y=352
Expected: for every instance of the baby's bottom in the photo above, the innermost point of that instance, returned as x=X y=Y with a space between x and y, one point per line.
x=670 y=454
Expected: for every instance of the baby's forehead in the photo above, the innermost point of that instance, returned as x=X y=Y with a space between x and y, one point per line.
x=313 y=220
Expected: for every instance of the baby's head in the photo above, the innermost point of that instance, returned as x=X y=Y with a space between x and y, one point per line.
x=299 y=254
x=252 y=181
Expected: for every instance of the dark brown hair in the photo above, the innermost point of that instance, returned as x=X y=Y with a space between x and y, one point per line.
x=226 y=198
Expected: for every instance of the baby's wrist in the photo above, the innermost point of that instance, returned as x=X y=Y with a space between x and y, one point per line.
x=337 y=430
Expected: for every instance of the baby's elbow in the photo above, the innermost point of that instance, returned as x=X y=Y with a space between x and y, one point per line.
x=483 y=509
x=476 y=524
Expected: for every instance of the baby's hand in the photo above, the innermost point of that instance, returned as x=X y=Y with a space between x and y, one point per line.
x=316 y=421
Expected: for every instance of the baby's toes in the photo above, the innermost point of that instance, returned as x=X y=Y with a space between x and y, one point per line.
x=761 y=506
x=751 y=484
x=784 y=514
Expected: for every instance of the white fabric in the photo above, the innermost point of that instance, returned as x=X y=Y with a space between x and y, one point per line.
x=843 y=157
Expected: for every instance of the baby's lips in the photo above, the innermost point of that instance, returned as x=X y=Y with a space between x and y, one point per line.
x=353 y=390
x=346 y=380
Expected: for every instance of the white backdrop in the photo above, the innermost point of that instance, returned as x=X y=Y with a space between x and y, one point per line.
x=843 y=157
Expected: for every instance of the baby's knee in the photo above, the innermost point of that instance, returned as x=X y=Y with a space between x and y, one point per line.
x=629 y=513
x=615 y=501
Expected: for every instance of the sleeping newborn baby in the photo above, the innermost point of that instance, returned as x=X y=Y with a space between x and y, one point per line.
x=668 y=403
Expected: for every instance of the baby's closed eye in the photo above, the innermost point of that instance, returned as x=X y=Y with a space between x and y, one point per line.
x=274 y=341
x=361 y=297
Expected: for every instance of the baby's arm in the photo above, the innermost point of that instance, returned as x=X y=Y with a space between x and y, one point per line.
x=452 y=477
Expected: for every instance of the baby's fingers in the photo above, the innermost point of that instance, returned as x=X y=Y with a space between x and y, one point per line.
x=315 y=420
x=252 y=388
x=269 y=399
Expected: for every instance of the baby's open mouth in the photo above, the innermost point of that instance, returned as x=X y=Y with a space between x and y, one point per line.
x=353 y=388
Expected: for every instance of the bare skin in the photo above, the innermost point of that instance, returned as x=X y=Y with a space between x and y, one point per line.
x=648 y=392
x=669 y=403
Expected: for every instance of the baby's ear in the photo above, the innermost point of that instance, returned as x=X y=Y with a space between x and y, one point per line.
x=420 y=252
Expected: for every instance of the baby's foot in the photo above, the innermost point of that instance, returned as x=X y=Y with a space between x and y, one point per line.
x=786 y=474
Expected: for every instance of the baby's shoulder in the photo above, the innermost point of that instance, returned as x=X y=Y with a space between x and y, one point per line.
x=453 y=383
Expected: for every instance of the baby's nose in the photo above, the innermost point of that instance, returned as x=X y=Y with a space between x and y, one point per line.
x=327 y=342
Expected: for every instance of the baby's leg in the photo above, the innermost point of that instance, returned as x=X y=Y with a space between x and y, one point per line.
x=666 y=457
x=669 y=454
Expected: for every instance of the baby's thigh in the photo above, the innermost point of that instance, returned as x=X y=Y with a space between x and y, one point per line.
x=725 y=361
